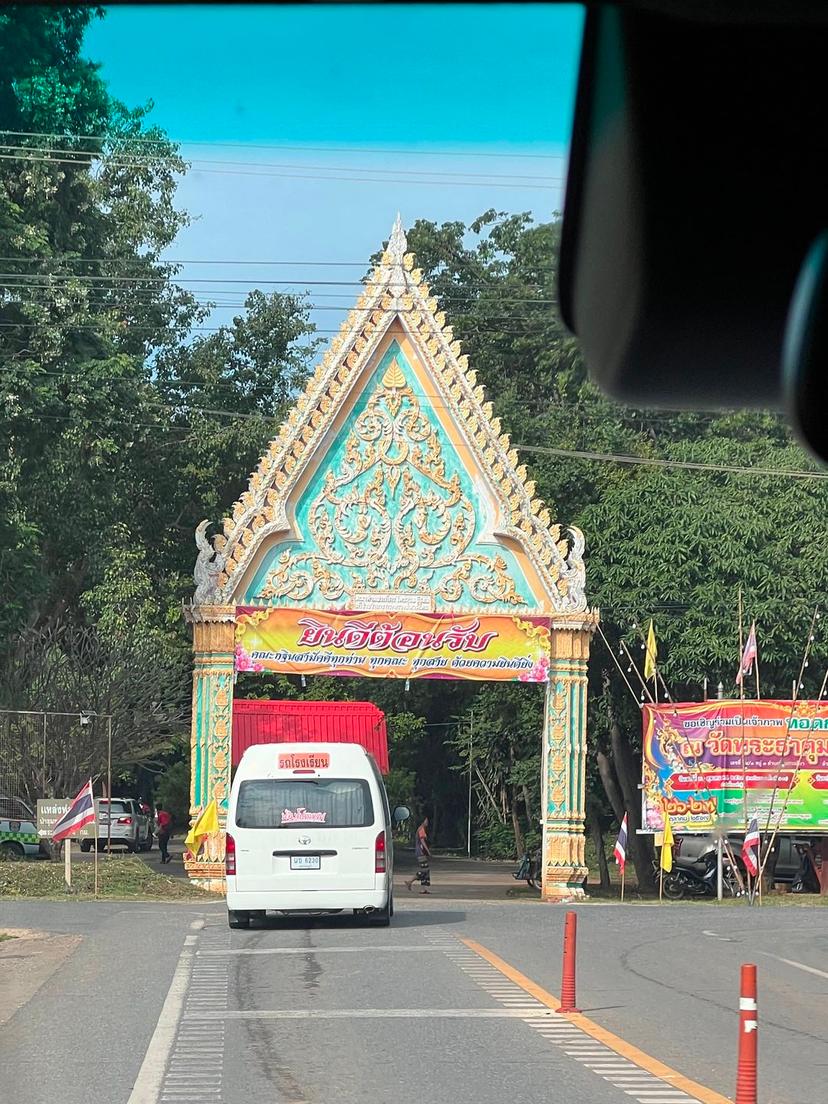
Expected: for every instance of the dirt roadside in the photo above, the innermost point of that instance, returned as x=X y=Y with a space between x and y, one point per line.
x=27 y=961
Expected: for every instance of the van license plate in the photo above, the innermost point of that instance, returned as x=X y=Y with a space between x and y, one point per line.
x=305 y=862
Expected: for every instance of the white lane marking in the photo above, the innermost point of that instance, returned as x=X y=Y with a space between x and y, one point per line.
x=715 y=935
x=648 y=1094
x=356 y=1014
x=796 y=965
x=151 y=1074
x=231 y=952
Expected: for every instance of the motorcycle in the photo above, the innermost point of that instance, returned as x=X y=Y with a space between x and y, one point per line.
x=698 y=879
x=529 y=869
x=806 y=879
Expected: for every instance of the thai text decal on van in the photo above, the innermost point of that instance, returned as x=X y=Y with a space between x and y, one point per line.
x=302 y=816
x=318 y=761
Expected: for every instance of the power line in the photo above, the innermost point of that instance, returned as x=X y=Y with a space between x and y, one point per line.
x=687 y=465
x=630 y=417
x=71 y=282
x=235 y=415
x=291 y=175
x=192 y=161
x=377 y=151
x=9 y=281
x=68 y=257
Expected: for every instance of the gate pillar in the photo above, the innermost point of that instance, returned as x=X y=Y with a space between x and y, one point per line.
x=212 y=718
x=564 y=758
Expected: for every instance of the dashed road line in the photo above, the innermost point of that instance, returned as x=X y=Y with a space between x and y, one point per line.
x=150 y=1077
x=637 y=1074
x=195 y=1068
x=796 y=965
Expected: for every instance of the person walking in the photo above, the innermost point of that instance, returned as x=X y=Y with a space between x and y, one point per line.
x=163 y=821
x=422 y=854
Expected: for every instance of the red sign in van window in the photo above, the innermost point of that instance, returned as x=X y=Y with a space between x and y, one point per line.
x=304 y=761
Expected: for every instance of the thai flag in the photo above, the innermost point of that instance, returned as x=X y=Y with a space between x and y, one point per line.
x=80 y=813
x=750 y=849
x=621 y=844
x=748 y=655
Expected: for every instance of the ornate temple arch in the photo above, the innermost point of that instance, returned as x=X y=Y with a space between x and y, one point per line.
x=391 y=487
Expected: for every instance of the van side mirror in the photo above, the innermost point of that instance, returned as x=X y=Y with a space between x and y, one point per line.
x=401 y=813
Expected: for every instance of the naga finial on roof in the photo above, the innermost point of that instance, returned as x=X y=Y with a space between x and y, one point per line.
x=397 y=244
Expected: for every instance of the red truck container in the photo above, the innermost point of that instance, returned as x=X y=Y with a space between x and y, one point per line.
x=283 y=722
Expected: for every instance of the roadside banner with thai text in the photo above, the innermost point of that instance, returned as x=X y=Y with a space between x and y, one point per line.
x=496 y=647
x=725 y=762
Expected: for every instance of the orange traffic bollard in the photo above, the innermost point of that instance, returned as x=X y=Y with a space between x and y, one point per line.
x=746 y=1073
x=568 y=972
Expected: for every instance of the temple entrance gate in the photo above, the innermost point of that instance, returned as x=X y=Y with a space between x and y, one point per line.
x=389 y=530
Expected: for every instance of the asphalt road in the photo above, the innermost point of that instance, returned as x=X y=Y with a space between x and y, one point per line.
x=162 y=1003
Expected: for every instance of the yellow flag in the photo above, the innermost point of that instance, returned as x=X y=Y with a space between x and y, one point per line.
x=667 y=845
x=651 y=657
x=207 y=822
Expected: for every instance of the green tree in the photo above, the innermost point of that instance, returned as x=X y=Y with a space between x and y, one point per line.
x=84 y=304
x=669 y=543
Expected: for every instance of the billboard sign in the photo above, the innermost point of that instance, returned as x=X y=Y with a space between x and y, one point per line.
x=490 y=647
x=723 y=762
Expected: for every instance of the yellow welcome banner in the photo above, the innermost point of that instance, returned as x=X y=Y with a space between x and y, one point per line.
x=496 y=647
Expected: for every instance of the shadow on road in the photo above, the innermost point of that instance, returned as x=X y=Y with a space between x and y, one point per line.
x=419 y=919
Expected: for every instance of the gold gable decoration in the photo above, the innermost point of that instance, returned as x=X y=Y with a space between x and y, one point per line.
x=394 y=291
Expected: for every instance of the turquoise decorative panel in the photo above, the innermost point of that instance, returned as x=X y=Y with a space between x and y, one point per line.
x=393 y=508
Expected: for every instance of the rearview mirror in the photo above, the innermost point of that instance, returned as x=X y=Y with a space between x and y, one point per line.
x=401 y=813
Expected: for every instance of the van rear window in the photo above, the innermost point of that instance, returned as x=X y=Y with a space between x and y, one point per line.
x=302 y=803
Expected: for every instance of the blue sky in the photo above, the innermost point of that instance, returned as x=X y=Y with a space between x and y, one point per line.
x=309 y=127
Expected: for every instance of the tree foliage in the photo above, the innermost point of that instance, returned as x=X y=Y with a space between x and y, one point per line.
x=670 y=543
x=123 y=424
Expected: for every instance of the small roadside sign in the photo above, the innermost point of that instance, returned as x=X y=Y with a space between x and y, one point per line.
x=49 y=812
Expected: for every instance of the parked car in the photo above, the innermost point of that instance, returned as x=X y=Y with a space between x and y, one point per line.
x=18 y=830
x=123 y=823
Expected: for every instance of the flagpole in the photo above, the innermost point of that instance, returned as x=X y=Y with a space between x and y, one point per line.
x=67 y=861
x=95 y=839
x=623 y=875
x=794 y=702
x=661 y=872
x=108 y=785
x=742 y=700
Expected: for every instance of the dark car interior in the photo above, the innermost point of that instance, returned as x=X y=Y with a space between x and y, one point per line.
x=695 y=239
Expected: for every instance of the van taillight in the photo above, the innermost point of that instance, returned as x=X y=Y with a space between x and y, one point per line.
x=229 y=855
x=379 y=854
x=125 y=820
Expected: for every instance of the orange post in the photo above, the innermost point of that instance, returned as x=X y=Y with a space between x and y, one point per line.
x=746 y=1073
x=568 y=971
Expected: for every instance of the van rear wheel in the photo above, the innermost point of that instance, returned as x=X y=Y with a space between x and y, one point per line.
x=238 y=919
x=382 y=917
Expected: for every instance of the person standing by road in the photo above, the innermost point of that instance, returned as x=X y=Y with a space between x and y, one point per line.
x=163 y=821
x=422 y=854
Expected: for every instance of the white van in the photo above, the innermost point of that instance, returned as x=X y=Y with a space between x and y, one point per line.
x=309 y=830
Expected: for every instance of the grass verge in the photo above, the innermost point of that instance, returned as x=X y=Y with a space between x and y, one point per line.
x=120 y=878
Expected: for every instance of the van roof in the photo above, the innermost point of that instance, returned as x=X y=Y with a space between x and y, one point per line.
x=260 y=756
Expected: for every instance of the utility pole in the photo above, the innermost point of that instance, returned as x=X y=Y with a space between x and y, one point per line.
x=108 y=785
x=471 y=759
